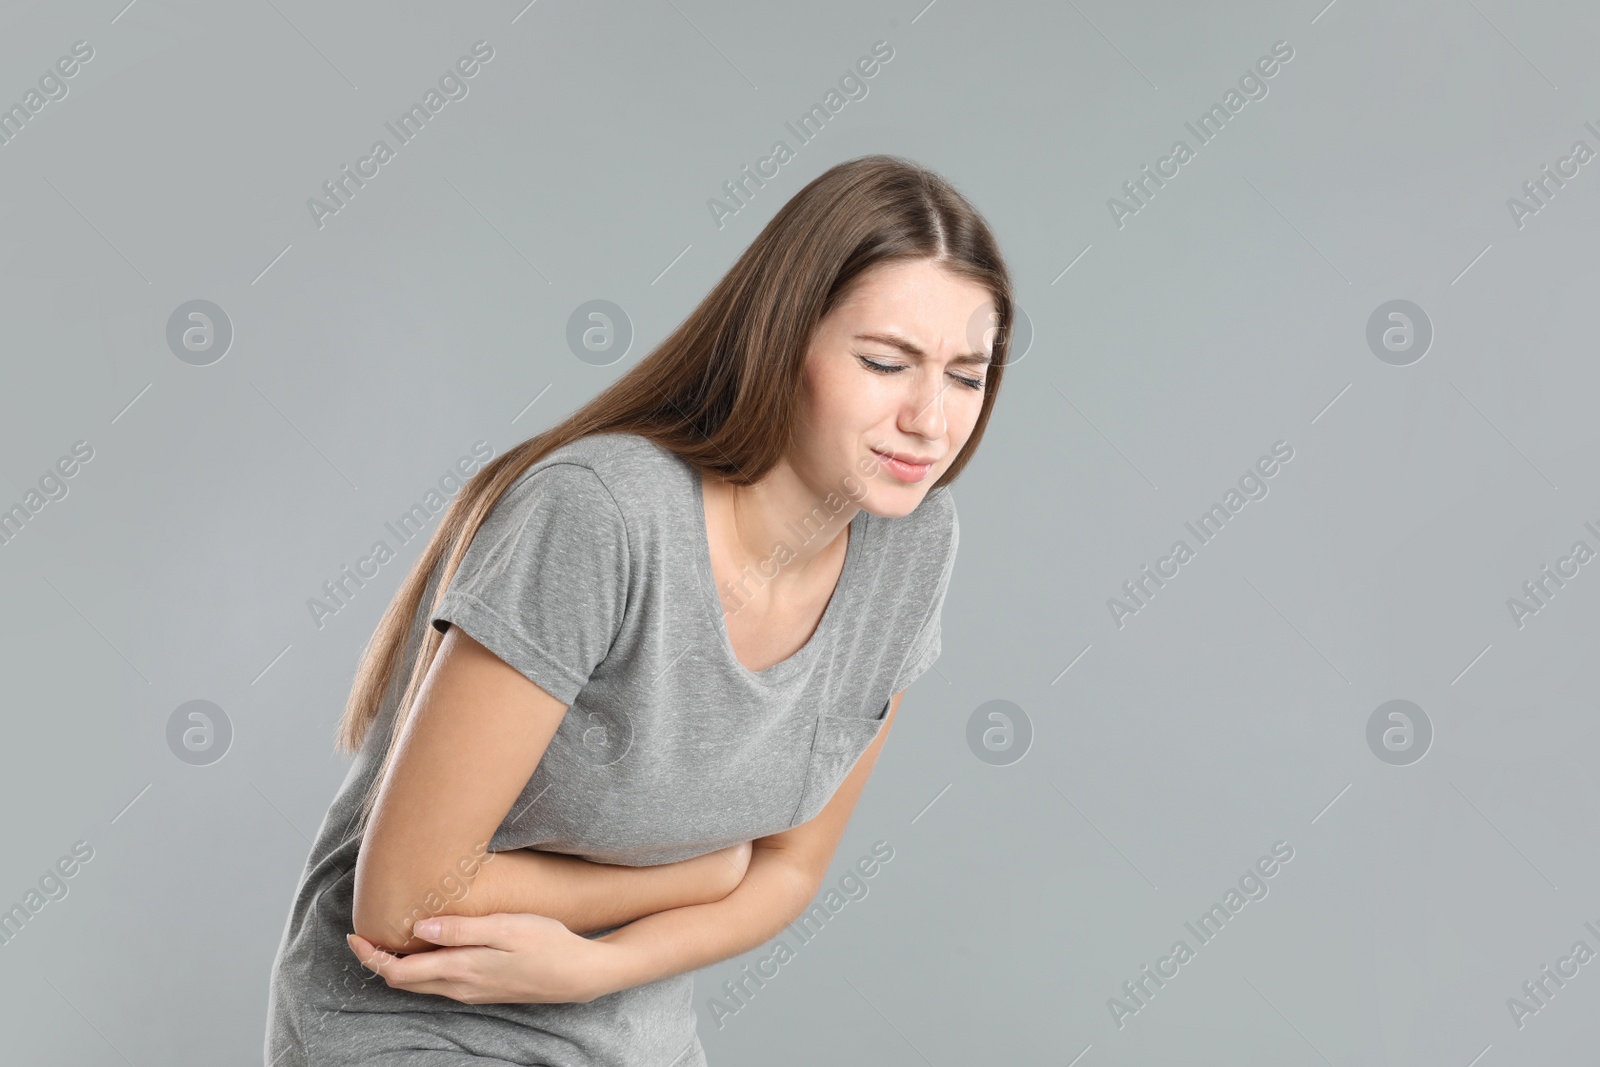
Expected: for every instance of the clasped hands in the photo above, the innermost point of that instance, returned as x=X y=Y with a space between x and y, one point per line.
x=523 y=958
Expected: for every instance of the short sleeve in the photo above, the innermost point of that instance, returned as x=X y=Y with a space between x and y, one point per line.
x=543 y=585
x=925 y=648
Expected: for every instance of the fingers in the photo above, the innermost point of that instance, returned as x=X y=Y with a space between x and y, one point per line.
x=371 y=956
x=420 y=972
x=415 y=967
x=463 y=930
x=502 y=930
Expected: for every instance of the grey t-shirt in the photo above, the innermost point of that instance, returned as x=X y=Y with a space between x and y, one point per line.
x=592 y=577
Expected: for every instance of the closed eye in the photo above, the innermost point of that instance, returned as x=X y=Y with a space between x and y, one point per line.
x=896 y=368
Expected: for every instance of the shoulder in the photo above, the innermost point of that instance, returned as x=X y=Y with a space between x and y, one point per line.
x=616 y=468
x=623 y=487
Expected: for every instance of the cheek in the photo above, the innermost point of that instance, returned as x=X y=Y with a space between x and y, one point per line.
x=965 y=413
x=849 y=399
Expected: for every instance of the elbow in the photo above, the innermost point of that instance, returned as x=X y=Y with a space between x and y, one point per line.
x=378 y=915
x=803 y=887
x=789 y=868
x=383 y=936
x=388 y=903
x=391 y=894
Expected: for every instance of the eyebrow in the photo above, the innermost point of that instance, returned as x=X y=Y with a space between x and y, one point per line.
x=896 y=341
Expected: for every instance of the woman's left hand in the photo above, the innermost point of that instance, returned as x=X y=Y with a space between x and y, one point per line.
x=505 y=958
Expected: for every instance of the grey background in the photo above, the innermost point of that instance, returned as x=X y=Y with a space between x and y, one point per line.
x=1228 y=314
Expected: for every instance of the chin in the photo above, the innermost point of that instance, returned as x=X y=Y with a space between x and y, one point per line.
x=894 y=502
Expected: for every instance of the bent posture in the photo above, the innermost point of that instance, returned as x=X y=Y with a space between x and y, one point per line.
x=613 y=725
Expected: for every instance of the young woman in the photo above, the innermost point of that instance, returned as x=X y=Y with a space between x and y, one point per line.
x=611 y=728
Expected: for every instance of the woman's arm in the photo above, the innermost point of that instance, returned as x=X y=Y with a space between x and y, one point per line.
x=774 y=892
x=588 y=897
x=474 y=738
x=477 y=733
x=510 y=958
x=786 y=871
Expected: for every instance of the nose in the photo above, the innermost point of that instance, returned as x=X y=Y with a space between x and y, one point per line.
x=923 y=412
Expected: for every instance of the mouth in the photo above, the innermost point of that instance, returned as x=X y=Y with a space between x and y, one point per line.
x=906 y=468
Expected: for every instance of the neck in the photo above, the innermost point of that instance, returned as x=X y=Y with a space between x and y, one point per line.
x=779 y=527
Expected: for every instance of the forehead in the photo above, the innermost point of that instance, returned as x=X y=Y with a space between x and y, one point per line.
x=919 y=299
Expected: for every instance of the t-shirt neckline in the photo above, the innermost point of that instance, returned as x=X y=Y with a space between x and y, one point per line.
x=783 y=668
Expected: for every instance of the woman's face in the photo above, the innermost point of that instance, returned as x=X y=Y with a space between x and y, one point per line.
x=896 y=369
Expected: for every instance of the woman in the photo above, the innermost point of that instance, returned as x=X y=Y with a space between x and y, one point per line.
x=623 y=743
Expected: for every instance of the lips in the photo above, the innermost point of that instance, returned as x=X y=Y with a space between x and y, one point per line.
x=902 y=469
x=910 y=460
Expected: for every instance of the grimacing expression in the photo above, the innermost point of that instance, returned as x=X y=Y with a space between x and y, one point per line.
x=895 y=370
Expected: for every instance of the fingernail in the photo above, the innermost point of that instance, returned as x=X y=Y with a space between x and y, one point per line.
x=427 y=928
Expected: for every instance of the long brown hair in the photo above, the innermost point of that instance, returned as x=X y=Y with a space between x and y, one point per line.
x=721 y=389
